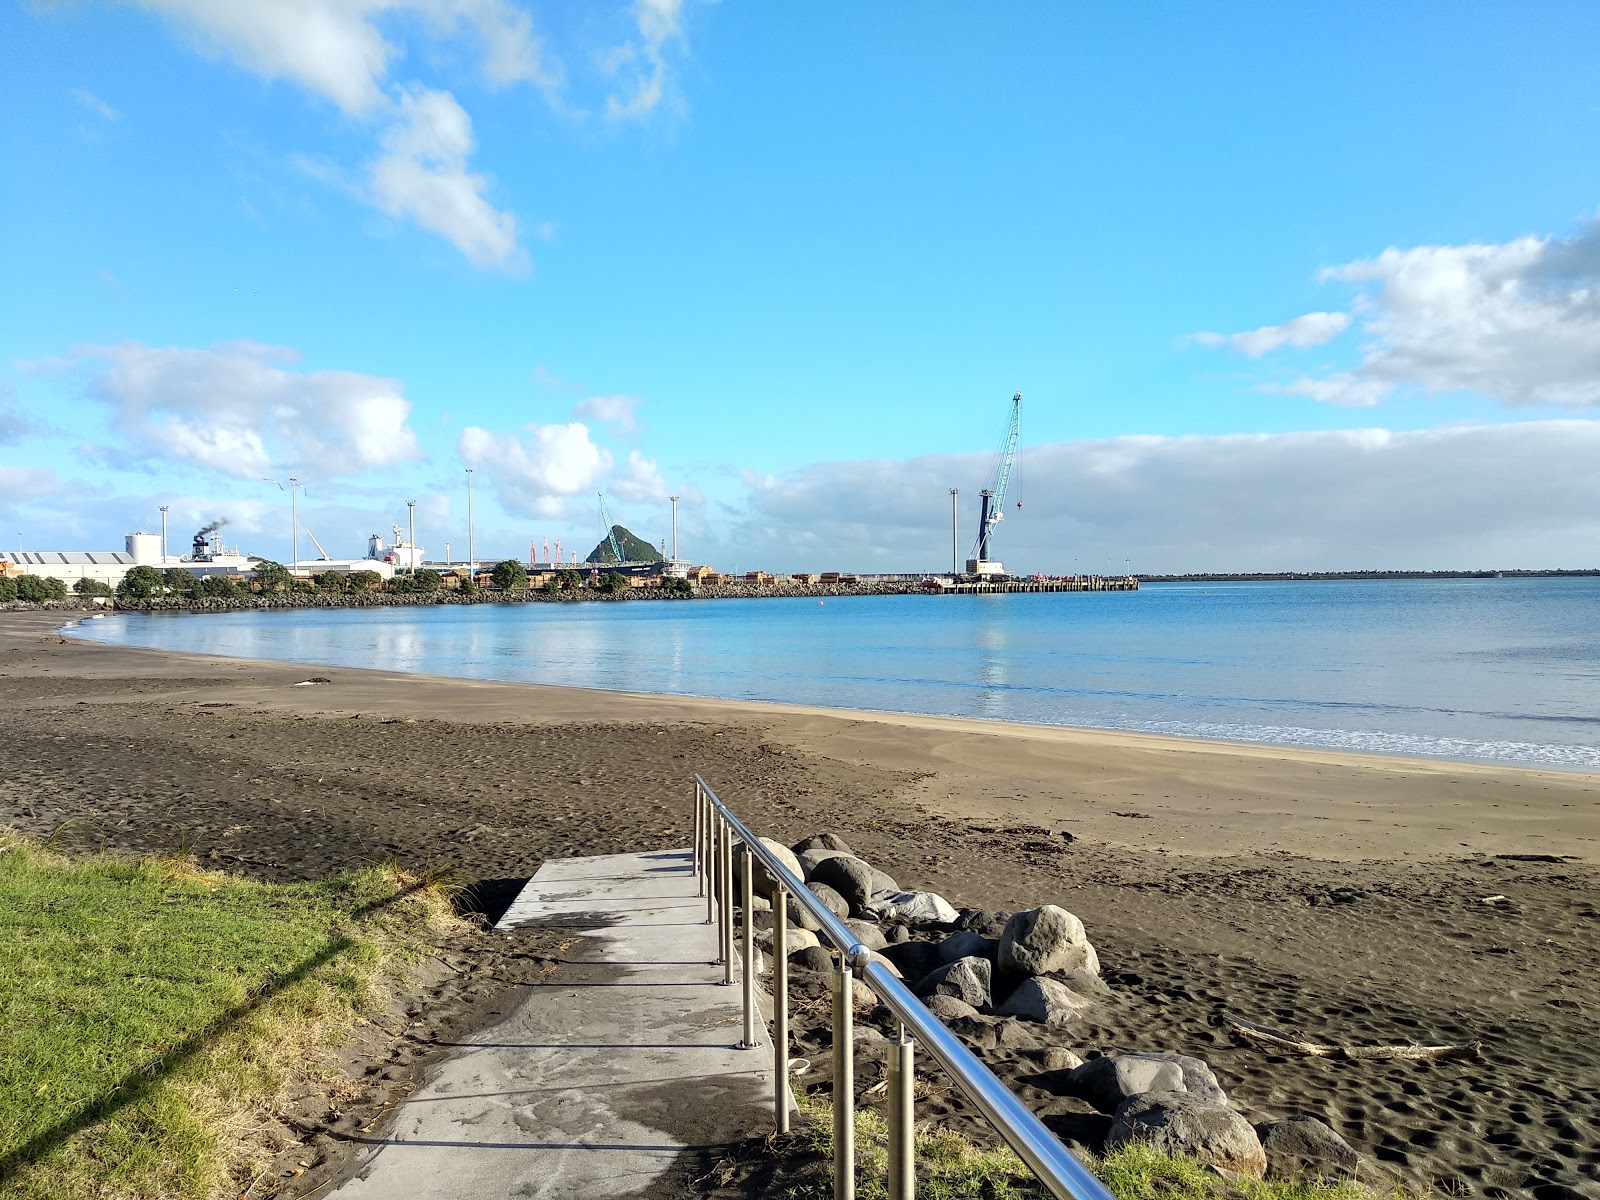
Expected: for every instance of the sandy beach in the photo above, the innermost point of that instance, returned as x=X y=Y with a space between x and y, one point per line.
x=1342 y=896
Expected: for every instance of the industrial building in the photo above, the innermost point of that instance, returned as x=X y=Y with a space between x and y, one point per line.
x=140 y=550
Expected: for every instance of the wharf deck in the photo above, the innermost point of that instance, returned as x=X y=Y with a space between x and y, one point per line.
x=1083 y=583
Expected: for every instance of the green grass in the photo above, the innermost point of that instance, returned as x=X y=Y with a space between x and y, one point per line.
x=951 y=1168
x=150 y=1012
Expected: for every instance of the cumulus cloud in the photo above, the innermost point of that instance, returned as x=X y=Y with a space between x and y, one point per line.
x=536 y=470
x=241 y=407
x=1516 y=321
x=617 y=411
x=1517 y=495
x=423 y=175
x=1312 y=329
x=641 y=62
x=14 y=425
x=643 y=483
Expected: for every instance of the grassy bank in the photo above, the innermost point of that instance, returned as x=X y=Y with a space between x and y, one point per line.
x=150 y=1012
x=951 y=1168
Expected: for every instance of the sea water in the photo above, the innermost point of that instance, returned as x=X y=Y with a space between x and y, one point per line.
x=1491 y=670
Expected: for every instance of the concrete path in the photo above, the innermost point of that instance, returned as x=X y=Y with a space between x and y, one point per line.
x=596 y=1082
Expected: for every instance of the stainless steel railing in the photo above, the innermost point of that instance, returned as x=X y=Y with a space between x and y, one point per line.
x=716 y=830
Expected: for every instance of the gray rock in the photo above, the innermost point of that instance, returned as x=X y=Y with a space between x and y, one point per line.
x=1182 y=1123
x=977 y=920
x=831 y=900
x=810 y=860
x=1303 y=1147
x=888 y=965
x=966 y=979
x=794 y=939
x=966 y=944
x=1042 y=940
x=862 y=998
x=915 y=959
x=1108 y=1083
x=812 y=958
x=1045 y=1001
x=761 y=882
x=1085 y=983
x=848 y=876
x=1059 y=1058
x=868 y=934
x=896 y=934
x=822 y=841
x=799 y=916
x=947 y=1008
x=913 y=907
x=883 y=884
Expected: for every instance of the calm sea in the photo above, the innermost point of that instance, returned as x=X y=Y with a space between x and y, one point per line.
x=1480 y=670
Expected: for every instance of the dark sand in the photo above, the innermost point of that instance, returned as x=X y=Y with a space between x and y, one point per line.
x=1338 y=895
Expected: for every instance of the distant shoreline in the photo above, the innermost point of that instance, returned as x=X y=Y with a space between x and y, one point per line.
x=1278 y=576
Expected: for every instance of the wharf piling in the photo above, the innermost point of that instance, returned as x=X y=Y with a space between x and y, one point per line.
x=1074 y=583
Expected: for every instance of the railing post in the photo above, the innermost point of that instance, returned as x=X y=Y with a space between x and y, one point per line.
x=726 y=904
x=747 y=903
x=844 y=1084
x=780 y=1004
x=901 y=1104
x=699 y=816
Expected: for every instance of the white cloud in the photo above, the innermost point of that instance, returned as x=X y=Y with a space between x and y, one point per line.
x=1517 y=495
x=641 y=63
x=535 y=471
x=1312 y=329
x=643 y=483
x=618 y=411
x=423 y=175
x=1516 y=321
x=95 y=105
x=239 y=409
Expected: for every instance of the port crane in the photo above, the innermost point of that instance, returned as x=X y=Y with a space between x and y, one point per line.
x=318 y=545
x=993 y=509
x=610 y=530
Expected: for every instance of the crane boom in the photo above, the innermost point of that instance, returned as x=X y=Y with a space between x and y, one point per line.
x=611 y=532
x=994 y=498
x=318 y=545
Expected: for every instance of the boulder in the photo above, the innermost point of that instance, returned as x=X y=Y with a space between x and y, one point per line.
x=794 y=939
x=810 y=860
x=1182 y=1123
x=966 y=944
x=1085 y=983
x=1058 y=1058
x=862 y=998
x=896 y=934
x=977 y=920
x=966 y=979
x=1303 y=1147
x=915 y=959
x=948 y=1008
x=913 y=907
x=799 y=916
x=831 y=900
x=1045 y=1001
x=868 y=934
x=1108 y=1083
x=762 y=881
x=1041 y=940
x=848 y=876
x=822 y=841
x=811 y=958
x=888 y=965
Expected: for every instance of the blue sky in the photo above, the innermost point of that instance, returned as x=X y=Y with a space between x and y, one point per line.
x=1328 y=276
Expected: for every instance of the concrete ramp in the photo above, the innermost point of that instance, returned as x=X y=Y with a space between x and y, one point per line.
x=597 y=1082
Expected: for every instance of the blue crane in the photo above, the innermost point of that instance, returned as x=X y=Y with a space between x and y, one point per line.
x=994 y=498
x=611 y=531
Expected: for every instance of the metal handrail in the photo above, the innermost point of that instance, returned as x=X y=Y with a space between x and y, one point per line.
x=1044 y=1154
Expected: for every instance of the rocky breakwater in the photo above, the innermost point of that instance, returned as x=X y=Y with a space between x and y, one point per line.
x=1014 y=988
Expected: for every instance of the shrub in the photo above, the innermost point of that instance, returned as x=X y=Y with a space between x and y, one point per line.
x=141 y=583
x=180 y=582
x=331 y=581
x=426 y=580
x=91 y=587
x=569 y=579
x=8 y=589
x=271 y=576
x=362 y=581
x=509 y=576
x=611 y=583
x=39 y=588
x=674 y=586
x=216 y=587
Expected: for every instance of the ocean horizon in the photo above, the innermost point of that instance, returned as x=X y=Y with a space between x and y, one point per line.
x=1500 y=671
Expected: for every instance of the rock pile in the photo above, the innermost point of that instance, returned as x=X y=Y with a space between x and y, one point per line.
x=1017 y=979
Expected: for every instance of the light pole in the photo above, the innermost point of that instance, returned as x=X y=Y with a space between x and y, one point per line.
x=447 y=556
x=294 y=521
x=472 y=553
x=411 y=518
x=955 y=532
x=674 y=500
x=164 y=508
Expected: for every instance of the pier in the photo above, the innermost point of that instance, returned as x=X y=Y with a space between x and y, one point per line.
x=1077 y=583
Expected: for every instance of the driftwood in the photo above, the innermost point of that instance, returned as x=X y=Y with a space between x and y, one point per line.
x=1261 y=1035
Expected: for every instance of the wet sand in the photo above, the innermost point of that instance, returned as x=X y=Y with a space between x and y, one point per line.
x=1334 y=894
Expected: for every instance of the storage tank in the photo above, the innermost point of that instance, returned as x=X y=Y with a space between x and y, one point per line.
x=144 y=549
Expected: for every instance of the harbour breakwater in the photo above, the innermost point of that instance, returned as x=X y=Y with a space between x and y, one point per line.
x=737 y=590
